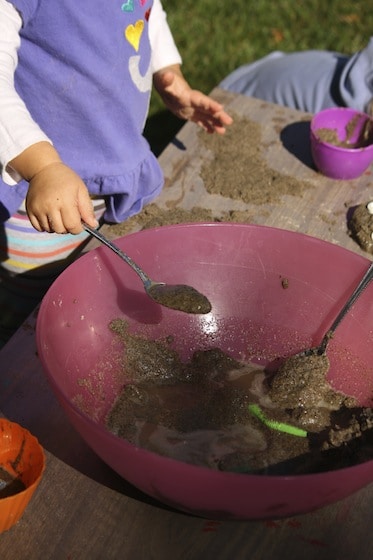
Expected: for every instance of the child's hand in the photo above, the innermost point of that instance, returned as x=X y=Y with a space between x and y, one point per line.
x=57 y=200
x=190 y=104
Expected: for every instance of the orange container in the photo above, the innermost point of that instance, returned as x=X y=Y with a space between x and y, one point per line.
x=22 y=463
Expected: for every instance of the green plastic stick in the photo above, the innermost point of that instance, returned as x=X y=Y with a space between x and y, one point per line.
x=274 y=425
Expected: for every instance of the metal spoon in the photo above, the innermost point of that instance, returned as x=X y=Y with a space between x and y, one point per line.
x=311 y=361
x=321 y=349
x=179 y=296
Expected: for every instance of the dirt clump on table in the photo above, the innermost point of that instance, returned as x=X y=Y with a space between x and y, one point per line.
x=360 y=226
x=201 y=411
x=153 y=216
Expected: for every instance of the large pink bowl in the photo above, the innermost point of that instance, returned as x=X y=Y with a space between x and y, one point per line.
x=240 y=268
x=334 y=161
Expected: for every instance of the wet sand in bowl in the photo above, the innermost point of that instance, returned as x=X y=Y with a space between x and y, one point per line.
x=199 y=411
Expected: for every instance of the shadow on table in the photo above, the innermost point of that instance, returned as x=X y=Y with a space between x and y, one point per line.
x=295 y=138
x=161 y=129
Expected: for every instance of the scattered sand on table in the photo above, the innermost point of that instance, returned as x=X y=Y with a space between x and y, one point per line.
x=237 y=170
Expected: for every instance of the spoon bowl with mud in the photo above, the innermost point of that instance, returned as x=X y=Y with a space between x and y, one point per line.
x=174 y=296
x=315 y=359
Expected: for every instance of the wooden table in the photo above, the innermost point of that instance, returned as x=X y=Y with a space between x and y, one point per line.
x=82 y=510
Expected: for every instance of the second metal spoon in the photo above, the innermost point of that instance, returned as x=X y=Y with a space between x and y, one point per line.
x=321 y=349
x=179 y=296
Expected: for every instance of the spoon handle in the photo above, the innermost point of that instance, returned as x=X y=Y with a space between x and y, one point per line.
x=368 y=276
x=144 y=277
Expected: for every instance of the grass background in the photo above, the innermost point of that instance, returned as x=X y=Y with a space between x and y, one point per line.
x=214 y=37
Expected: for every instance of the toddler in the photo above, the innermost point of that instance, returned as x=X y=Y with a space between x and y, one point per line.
x=75 y=84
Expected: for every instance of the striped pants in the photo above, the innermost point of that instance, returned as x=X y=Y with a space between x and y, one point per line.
x=29 y=263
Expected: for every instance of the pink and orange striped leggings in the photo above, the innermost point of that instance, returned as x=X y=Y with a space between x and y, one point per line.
x=29 y=263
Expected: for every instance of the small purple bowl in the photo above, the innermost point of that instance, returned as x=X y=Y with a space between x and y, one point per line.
x=339 y=162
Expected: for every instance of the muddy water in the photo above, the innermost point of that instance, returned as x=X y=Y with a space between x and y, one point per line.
x=198 y=412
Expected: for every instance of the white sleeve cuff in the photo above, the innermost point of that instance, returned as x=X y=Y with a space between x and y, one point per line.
x=164 y=50
x=18 y=130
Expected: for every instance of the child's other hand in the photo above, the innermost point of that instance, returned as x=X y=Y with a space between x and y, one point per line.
x=190 y=104
x=58 y=201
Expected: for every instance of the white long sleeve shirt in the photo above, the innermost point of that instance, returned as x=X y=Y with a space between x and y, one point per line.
x=18 y=130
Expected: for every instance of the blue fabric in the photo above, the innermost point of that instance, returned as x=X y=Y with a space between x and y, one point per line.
x=84 y=73
x=309 y=80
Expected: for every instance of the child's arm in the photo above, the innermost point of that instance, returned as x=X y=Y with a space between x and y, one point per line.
x=57 y=199
x=178 y=96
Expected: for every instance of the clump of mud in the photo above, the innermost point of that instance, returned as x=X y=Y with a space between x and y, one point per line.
x=9 y=485
x=300 y=386
x=330 y=135
x=200 y=411
x=361 y=226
